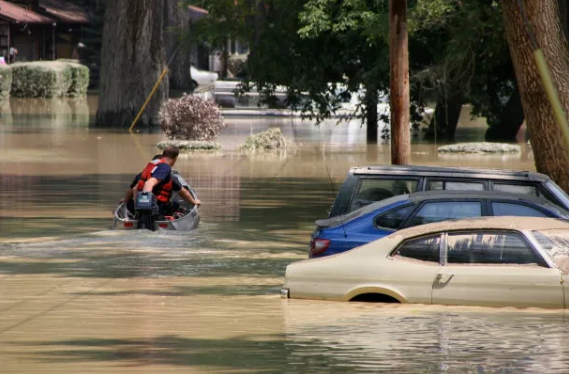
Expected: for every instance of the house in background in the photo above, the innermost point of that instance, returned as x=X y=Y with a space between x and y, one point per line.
x=41 y=29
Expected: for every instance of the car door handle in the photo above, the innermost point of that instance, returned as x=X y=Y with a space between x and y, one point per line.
x=444 y=277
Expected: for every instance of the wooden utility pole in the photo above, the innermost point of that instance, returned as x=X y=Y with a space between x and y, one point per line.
x=399 y=83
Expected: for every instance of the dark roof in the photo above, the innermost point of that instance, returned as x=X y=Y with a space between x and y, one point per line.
x=437 y=170
x=65 y=11
x=18 y=14
x=197 y=13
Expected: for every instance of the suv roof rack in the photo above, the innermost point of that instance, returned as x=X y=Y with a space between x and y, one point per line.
x=374 y=169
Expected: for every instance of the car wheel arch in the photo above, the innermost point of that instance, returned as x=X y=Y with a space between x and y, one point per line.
x=371 y=290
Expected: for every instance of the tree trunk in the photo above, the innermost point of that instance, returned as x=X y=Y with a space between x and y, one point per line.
x=549 y=151
x=176 y=19
x=371 y=99
x=132 y=61
x=445 y=120
x=510 y=121
x=399 y=85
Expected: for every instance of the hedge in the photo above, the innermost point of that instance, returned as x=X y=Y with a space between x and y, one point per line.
x=5 y=81
x=49 y=79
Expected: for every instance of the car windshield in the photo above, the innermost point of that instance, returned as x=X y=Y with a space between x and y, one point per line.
x=556 y=244
x=559 y=193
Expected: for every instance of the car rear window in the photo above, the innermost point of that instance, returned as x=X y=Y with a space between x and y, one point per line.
x=423 y=249
x=394 y=218
x=371 y=190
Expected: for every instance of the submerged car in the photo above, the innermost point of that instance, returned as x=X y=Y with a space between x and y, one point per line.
x=344 y=232
x=368 y=184
x=493 y=261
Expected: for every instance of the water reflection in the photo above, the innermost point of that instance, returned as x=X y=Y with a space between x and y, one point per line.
x=90 y=300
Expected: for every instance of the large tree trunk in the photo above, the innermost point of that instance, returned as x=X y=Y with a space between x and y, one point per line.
x=132 y=60
x=510 y=121
x=445 y=119
x=549 y=151
x=176 y=19
x=371 y=99
x=399 y=86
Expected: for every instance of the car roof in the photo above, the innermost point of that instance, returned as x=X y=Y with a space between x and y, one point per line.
x=418 y=197
x=441 y=195
x=448 y=171
x=488 y=223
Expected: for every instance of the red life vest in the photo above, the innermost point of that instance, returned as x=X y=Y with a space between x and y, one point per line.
x=163 y=191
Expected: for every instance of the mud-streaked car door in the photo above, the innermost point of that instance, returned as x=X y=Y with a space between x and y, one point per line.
x=495 y=268
x=417 y=263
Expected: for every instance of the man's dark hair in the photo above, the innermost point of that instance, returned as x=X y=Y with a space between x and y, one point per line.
x=156 y=157
x=171 y=151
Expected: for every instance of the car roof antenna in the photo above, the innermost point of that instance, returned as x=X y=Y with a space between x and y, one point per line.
x=334 y=192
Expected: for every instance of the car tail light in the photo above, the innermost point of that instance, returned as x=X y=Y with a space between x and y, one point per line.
x=319 y=246
x=128 y=224
x=163 y=225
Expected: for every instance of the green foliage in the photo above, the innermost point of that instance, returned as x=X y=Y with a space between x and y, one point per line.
x=320 y=49
x=47 y=79
x=226 y=19
x=5 y=81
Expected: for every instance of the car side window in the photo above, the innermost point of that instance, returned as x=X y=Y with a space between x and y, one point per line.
x=489 y=248
x=423 y=249
x=454 y=186
x=442 y=211
x=508 y=209
x=394 y=218
x=371 y=190
x=515 y=188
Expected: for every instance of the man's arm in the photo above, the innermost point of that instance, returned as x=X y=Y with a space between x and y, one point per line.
x=186 y=195
x=149 y=185
x=128 y=196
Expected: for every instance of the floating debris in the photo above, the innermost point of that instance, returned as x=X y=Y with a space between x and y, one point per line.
x=480 y=148
x=271 y=140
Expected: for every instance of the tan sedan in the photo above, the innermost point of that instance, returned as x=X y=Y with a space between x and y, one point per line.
x=495 y=261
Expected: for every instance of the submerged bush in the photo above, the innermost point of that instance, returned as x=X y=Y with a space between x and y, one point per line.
x=191 y=118
x=49 y=79
x=272 y=139
x=5 y=81
x=190 y=145
x=480 y=148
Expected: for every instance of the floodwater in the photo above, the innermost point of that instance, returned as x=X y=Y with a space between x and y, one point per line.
x=77 y=298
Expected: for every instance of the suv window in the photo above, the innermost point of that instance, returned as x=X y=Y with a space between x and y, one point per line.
x=442 y=211
x=489 y=248
x=423 y=249
x=454 y=186
x=508 y=209
x=371 y=190
x=516 y=188
x=394 y=218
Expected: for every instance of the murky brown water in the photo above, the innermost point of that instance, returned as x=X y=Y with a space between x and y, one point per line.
x=89 y=300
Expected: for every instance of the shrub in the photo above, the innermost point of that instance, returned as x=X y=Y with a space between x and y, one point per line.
x=271 y=140
x=5 y=81
x=191 y=118
x=49 y=79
